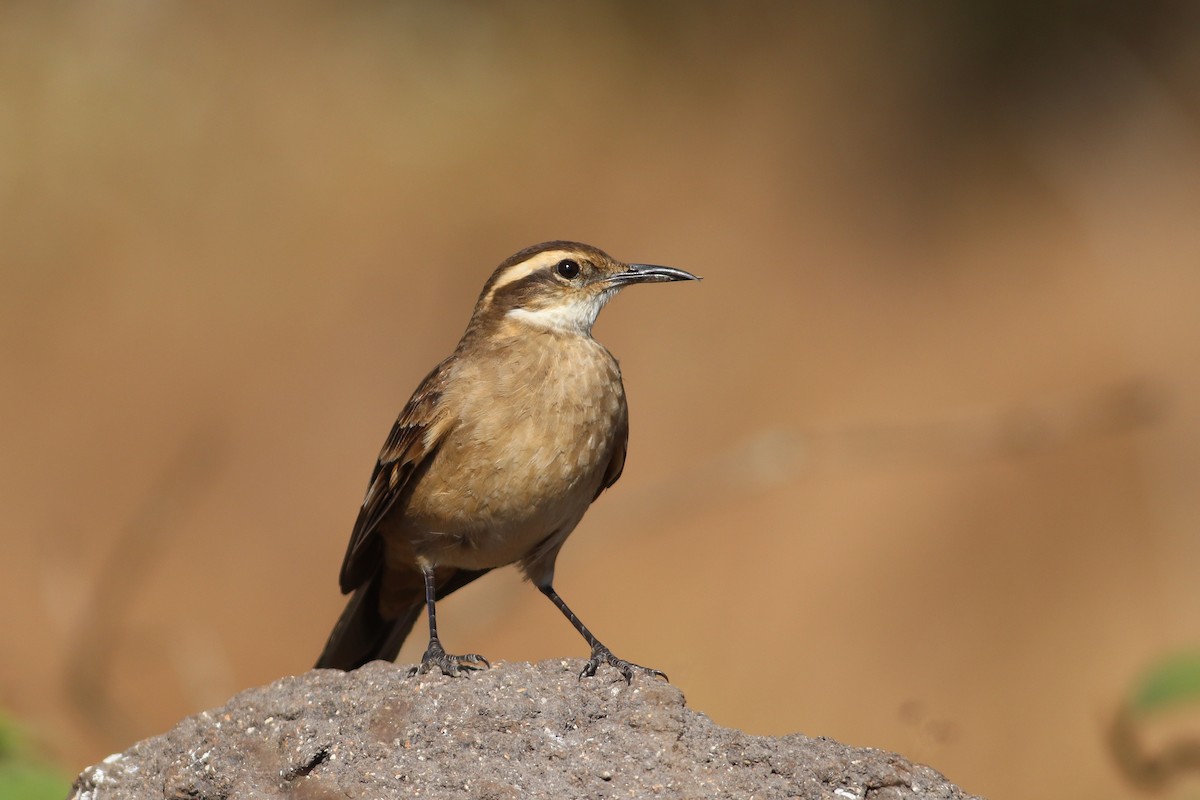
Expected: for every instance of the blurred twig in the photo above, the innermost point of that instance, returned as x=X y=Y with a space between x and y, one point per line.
x=998 y=432
x=1144 y=767
x=1144 y=738
x=772 y=456
x=91 y=653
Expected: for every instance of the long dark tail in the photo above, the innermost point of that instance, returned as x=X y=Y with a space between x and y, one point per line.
x=363 y=634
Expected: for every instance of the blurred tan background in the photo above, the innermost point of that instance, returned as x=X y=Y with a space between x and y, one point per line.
x=914 y=467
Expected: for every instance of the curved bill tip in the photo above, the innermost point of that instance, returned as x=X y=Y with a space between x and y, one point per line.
x=651 y=273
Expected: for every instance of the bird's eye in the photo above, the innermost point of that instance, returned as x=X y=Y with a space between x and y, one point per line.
x=568 y=269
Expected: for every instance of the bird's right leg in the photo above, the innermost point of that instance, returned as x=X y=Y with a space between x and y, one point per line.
x=435 y=654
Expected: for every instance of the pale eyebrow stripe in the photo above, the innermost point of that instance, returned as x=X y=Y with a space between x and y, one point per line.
x=523 y=270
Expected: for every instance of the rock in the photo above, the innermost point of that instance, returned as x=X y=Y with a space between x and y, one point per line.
x=514 y=731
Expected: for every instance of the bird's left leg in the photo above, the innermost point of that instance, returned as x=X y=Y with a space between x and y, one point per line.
x=600 y=653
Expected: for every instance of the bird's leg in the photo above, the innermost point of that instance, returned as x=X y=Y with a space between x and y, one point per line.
x=600 y=653
x=435 y=654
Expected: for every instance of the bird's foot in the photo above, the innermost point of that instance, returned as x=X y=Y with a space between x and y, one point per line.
x=450 y=665
x=602 y=655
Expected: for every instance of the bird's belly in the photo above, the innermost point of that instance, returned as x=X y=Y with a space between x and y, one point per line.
x=503 y=484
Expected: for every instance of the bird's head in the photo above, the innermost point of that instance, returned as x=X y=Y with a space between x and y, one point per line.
x=561 y=286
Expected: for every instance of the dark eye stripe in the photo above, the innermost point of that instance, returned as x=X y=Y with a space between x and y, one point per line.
x=518 y=293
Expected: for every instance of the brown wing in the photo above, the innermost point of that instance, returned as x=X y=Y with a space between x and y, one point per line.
x=415 y=437
x=616 y=463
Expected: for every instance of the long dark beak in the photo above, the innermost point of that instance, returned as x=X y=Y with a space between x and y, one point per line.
x=650 y=273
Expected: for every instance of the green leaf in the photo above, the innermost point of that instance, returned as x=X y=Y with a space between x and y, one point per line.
x=12 y=741
x=1174 y=681
x=31 y=783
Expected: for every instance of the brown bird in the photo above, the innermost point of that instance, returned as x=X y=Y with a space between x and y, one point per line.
x=496 y=457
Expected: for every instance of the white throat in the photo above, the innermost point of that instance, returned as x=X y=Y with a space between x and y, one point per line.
x=574 y=317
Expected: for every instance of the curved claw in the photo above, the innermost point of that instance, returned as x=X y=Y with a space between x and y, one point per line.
x=602 y=655
x=449 y=664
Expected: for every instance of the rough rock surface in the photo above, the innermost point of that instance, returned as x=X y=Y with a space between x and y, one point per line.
x=515 y=731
